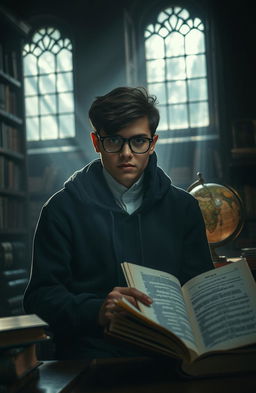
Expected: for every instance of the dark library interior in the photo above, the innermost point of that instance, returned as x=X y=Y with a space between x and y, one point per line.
x=108 y=50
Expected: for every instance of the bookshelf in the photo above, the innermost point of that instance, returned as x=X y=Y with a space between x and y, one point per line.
x=14 y=228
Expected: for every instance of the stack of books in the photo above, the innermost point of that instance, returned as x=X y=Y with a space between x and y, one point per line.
x=18 y=358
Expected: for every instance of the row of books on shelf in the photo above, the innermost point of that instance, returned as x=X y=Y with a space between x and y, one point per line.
x=8 y=62
x=10 y=138
x=19 y=364
x=10 y=174
x=13 y=276
x=13 y=283
x=11 y=213
x=12 y=254
x=8 y=99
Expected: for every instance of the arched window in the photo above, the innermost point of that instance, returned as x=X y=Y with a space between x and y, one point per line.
x=176 y=70
x=48 y=79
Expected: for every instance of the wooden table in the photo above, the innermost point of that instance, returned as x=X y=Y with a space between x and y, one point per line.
x=129 y=376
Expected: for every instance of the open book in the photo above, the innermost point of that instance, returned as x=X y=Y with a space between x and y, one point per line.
x=209 y=323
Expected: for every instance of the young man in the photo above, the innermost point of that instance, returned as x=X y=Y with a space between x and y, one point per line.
x=121 y=207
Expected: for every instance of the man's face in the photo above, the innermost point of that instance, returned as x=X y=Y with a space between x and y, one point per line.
x=126 y=167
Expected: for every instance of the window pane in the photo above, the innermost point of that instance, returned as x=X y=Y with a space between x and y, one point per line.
x=67 y=126
x=47 y=83
x=49 y=69
x=199 y=116
x=55 y=34
x=194 y=42
x=173 y=21
x=196 y=66
x=64 y=60
x=176 y=68
x=46 y=62
x=177 y=92
x=31 y=106
x=37 y=36
x=175 y=44
x=154 y=47
x=48 y=104
x=46 y=41
x=49 y=127
x=30 y=85
x=32 y=126
x=66 y=102
x=197 y=89
x=161 y=17
x=179 y=77
x=163 y=125
x=30 y=67
x=178 y=116
x=158 y=89
x=155 y=70
x=64 y=81
x=184 y=14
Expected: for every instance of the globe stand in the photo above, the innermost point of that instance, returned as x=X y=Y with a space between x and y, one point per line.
x=215 y=257
x=211 y=197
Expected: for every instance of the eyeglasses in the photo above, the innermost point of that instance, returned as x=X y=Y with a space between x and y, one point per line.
x=114 y=144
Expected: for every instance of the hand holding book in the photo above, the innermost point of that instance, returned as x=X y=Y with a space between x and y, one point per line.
x=209 y=323
x=110 y=305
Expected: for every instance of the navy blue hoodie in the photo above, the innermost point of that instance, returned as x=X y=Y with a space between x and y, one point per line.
x=83 y=236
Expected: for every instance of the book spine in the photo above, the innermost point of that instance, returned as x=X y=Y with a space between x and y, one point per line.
x=8 y=99
x=11 y=214
x=12 y=255
x=10 y=174
x=12 y=286
x=10 y=138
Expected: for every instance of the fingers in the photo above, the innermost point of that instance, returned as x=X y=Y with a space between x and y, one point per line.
x=109 y=306
x=133 y=295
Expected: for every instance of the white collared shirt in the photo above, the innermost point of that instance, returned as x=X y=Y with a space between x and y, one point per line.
x=129 y=199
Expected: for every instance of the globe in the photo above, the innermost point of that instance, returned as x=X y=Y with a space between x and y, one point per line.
x=222 y=211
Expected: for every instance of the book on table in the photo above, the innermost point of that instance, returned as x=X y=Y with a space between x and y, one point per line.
x=19 y=336
x=21 y=329
x=208 y=324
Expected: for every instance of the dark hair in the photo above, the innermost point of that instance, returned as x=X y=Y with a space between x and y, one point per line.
x=122 y=106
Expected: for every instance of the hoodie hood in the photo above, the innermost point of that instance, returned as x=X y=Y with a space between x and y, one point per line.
x=88 y=185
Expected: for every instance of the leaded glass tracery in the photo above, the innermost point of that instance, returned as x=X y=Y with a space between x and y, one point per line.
x=176 y=69
x=48 y=80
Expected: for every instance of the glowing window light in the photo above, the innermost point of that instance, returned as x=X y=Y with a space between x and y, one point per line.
x=176 y=69
x=48 y=82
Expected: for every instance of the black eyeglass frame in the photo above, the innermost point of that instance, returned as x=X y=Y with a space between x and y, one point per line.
x=124 y=140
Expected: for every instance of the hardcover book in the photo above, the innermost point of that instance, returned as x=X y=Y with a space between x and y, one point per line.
x=208 y=324
x=21 y=330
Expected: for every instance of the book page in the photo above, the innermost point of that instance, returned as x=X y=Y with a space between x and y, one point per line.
x=223 y=306
x=168 y=308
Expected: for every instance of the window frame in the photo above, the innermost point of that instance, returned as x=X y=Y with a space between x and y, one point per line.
x=37 y=23
x=149 y=16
